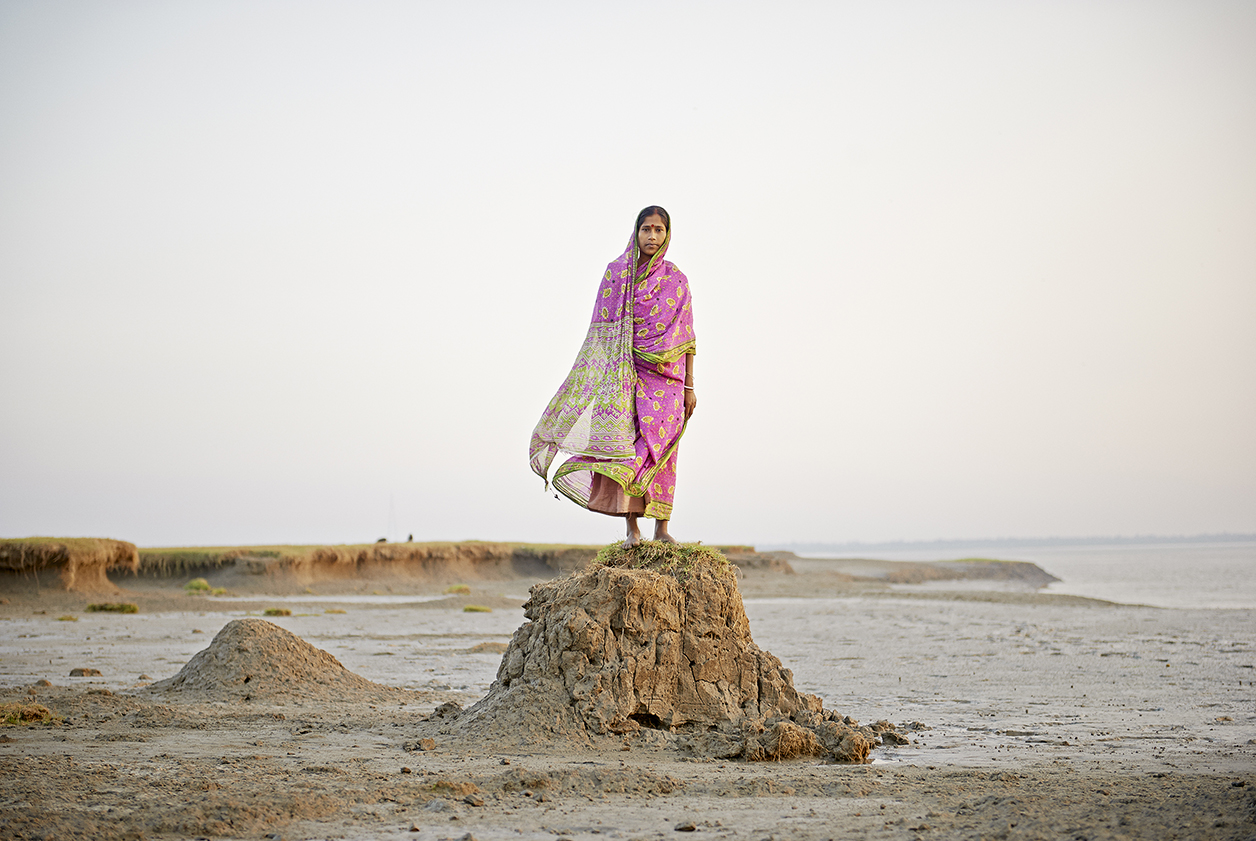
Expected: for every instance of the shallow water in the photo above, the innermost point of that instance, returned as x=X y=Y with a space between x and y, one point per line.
x=1209 y=575
x=1184 y=575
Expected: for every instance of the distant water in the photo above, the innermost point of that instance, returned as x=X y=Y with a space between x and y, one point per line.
x=1185 y=575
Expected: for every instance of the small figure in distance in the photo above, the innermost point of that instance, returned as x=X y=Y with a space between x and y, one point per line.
x=410 y=539
x=624 y=406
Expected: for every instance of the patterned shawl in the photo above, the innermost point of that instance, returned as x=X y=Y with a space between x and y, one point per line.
x=593 y=414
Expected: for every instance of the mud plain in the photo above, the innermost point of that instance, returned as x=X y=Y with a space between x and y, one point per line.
x=1047 y=717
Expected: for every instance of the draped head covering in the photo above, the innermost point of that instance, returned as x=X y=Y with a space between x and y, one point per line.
x=593 y=413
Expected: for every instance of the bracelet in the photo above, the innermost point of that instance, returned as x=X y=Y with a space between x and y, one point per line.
x=689 y=387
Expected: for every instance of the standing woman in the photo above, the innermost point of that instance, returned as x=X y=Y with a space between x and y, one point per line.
x=622 y=409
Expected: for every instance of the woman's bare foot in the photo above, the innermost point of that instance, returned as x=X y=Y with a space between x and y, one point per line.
x=660 y=532
x=634 y=533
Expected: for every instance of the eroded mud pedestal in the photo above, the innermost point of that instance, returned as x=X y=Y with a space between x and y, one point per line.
x=662 y=654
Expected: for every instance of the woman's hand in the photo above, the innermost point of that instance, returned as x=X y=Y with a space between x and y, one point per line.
x=691 y=399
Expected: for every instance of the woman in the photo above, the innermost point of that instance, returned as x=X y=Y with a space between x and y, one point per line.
x=624 y=405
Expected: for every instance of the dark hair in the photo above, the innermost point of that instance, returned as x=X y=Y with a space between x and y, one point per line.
x=654 y=210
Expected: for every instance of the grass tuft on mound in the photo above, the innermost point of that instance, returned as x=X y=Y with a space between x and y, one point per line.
x=674 y=559
x=17 y=713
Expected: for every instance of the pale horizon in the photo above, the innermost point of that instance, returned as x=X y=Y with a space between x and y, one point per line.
x=280 y=273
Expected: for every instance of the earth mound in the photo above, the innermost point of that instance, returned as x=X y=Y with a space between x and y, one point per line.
x=256 y=660
x=653 y=643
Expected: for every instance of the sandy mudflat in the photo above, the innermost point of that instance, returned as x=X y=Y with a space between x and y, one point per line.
x=1047 y=716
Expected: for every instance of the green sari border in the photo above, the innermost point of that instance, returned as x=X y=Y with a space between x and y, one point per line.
x=670 y=355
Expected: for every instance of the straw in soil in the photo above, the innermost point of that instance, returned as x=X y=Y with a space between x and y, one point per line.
x=17 y=713
x=113 y=607
x=674 y=559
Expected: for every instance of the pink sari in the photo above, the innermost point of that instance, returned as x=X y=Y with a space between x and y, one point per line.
x=621 y=411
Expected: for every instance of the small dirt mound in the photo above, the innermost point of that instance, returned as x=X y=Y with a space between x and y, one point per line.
x=654 y=644
x=256 y=660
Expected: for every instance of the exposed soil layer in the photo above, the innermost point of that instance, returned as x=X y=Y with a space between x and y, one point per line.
x=70 y=564
x=271 y=567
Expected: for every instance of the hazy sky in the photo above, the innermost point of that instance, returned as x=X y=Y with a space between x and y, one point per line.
x=271 y=271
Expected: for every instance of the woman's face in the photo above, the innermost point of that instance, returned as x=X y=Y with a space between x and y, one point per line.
x=650 y=236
